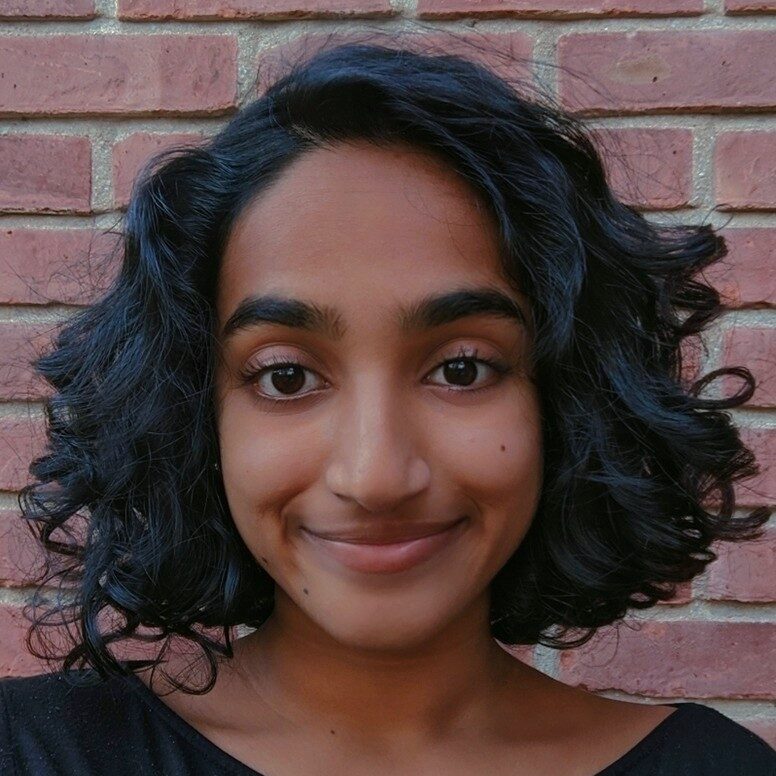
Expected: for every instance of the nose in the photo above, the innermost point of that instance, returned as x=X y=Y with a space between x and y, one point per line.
x=375 y=459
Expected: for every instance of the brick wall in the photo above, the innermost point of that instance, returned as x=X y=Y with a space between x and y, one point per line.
x=681 y=97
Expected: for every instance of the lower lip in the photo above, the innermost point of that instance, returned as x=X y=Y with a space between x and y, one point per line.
x=387 y=558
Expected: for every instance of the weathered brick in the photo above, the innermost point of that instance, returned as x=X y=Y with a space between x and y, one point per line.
x=507 y=54
x=764 y=728
x=15 y=660
x=647 y=71
x=47 y=9
x=749 y=6
x=21 y=440
x=118 y=74
x=38 y=266
x=565 y=9
x=743 y=571
x=130 y=154
x=755 y=348
x=648 y=168
x=678 y=659
x=761 y=489
x=19 y=344
x=249 y=9
x=745 y=170
x=21 y=557
x=45 y=173
x=746 y=275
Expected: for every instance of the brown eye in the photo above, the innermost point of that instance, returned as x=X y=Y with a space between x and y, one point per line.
x=460 y=372
x=287 y=379
x=278 y=379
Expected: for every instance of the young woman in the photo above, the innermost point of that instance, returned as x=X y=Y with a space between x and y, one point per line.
x=389 y=376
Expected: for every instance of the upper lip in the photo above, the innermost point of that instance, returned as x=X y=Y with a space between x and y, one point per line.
x=385 y=534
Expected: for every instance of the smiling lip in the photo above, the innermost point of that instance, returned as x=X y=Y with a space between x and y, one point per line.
x=386 y=558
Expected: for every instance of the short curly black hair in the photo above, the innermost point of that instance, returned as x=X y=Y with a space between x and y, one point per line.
x=634 y=458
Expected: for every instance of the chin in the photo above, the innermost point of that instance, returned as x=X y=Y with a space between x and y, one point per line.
x=376 y=630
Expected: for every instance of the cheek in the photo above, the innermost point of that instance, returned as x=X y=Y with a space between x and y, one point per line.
x=264 y=466
x=498 y=461
x=499 y=453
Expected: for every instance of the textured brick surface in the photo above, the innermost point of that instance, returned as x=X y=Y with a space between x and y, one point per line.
x=651 y=169
x=45 y=173
x=19 y=344
x=252 y=9
x=20 y=557
x=110 y=74
x=745 y=164
x=678 y=659
x=38 y=266
x=667 y=71
x=744 y=572
x=761 y=489
x=507 y=53
x=569 y=9
x=130 y=154
x=21 y=439
x=15 y=660
x=746 y=275
x=750 y=6
x=47 y=9
x=754 y=347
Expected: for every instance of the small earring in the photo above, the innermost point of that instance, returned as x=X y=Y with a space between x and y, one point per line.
x=216 y=466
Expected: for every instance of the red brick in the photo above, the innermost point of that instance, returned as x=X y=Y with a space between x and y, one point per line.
x=507 y=54
x=692 y=353
x=21 y=555
x=151 y=75
x=47 y=9
x=745 y=167
x=764 y=728
x=15 y=660
x=658 y=71
x=250 y=9
x=677 y=659
x=130 y=154
x=683 y=595
x=21 y=440
x=45 y=173
x=565 y=9
x=743 y=572
x=755 y=348
x=20 y=343
x=760 y=490
x=749 y=6
x=38 y=266
x=648 y=168
x=746 y=275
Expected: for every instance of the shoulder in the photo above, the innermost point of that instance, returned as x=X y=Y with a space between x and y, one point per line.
x=696 y=739
x=76 y=692
x=62 y=718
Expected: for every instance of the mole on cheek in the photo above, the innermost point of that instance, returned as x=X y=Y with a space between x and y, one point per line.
x=503 y=447
x=306 y=591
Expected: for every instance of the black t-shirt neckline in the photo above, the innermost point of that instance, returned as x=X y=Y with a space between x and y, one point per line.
x=223 y=759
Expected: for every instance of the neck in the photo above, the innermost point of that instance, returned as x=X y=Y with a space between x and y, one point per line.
x=427 y=692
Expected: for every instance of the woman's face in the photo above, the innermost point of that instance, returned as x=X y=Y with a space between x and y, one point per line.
x=352 y=422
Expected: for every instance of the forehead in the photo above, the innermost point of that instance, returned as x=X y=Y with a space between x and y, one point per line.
x=356 y=225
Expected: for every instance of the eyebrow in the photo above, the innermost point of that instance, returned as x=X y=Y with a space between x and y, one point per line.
x=426 y=313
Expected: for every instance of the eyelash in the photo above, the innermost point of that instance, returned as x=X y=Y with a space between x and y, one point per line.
x=251 y=374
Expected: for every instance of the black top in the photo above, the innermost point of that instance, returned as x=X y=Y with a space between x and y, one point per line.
x=49 y=728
